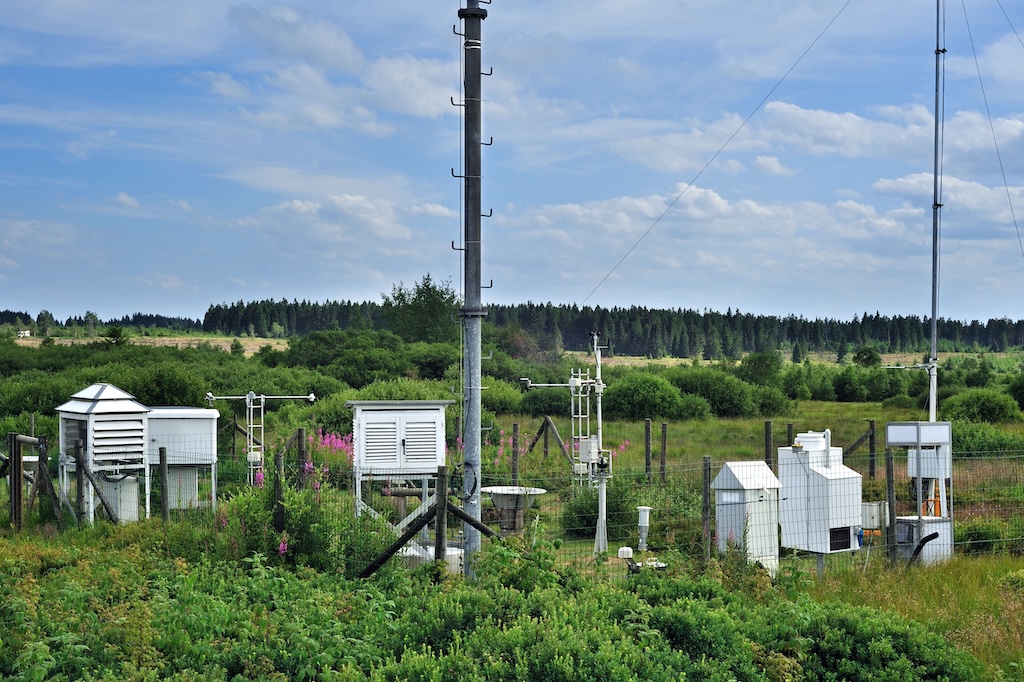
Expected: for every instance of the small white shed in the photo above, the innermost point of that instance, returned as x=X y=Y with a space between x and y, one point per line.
x=189 y=435
x=747 y=511
x=820 y=510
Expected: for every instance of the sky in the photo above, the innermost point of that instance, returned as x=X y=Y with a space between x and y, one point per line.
x=765 y=157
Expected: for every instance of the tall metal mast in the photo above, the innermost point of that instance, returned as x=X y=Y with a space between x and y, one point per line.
x=472 y=312
x=933 y=361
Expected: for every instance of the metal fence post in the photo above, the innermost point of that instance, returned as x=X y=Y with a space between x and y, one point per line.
x=647 y=449
x=165 y=497
x=706 y=507
x=890 y=496
x=664 y=450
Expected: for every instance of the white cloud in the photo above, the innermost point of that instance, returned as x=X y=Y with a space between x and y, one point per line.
x=290 y=181
x=225 y=85
x=158 y=280
x=85 y=146
x=417 y=87
x=433 y=211
x=770 y=165
x=126 y=200
x=287 y=33
x=67 y=32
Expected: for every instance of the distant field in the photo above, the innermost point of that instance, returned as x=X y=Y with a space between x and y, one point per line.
x=251 y=345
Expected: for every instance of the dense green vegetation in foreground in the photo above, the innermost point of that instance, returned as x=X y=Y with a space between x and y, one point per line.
x=216 y=599
x=179 y=602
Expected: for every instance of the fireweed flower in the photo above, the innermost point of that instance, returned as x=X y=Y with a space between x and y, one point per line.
x=258 y=478
x=282 y=548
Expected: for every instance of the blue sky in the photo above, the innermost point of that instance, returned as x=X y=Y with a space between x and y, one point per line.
x=162 y=156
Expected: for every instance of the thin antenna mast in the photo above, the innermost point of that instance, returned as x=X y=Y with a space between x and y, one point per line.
x=933 y=361
x=472 y=312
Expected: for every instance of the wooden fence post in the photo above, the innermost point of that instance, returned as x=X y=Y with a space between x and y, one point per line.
x=15 y=474
x=441 y=515
x=768 y=443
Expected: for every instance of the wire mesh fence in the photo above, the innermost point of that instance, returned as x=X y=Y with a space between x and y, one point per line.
x=684 y=512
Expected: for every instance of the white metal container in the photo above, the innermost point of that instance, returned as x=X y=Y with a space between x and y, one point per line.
x=910 y=530
x=820 y=509
x=189 y=435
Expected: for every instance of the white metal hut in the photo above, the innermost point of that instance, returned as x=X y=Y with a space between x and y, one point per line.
x=820 y=509
x=112 y=427
x=189 y=435
x=747 y=511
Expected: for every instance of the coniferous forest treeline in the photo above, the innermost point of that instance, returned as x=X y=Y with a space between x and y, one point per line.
x=635 y=331
x=641 y=331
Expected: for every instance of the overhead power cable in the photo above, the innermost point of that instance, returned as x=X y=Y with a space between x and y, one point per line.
x=717 y=153
x=991 y=125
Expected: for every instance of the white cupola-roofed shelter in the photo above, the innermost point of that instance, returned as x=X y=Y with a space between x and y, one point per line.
x=111 y=426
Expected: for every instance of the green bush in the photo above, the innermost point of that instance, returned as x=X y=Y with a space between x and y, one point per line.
x=540 y=402
x=901 y=402
x=981 y=405
x=639 y=396
x=770 y=401
x=579 y=512
x=693 y=407
x=322 y=531
x=794 y=383
x=976 y=438
x=727 y=395
x=761 y=369
x=849 y=386
x=500 y=396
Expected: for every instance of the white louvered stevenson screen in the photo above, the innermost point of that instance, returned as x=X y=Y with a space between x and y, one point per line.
x=400 y=441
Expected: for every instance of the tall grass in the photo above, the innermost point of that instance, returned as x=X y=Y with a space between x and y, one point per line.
x=724 y=439
x=976 y=603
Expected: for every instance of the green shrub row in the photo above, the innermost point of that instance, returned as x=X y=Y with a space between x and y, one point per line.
x=101 y=606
